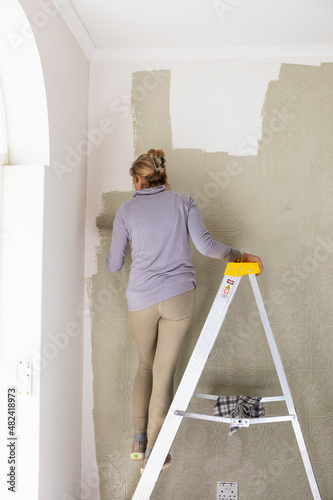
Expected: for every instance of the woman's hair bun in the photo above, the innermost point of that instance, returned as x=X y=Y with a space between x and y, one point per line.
x=158 y=153
x=151 y=166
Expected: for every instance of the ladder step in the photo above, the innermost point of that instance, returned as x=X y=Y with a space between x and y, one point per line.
x=214 y=398
x=241 y=422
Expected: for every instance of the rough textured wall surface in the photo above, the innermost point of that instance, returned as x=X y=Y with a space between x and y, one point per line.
x=278 y=204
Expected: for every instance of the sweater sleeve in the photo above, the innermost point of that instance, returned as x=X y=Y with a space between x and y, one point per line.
x=116 y=257
x=203 y=241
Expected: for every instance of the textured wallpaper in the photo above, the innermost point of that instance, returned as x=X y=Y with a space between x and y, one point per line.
x=276 y=203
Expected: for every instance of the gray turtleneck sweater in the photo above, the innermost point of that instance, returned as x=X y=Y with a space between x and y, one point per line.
x=157 y=223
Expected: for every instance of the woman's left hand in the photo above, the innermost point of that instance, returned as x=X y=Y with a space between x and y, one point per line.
x=253 y=258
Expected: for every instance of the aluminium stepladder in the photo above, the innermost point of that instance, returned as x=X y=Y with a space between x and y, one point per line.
x=189 y=381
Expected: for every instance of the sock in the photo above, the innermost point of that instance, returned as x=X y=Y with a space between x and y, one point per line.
x=140 y=437
x=148 y=452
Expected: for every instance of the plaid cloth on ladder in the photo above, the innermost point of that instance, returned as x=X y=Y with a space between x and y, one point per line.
x=238 y=407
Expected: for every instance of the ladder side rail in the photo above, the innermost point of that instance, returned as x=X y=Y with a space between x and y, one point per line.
x=272 y=344
x=186 y=389
x=285 y=389
x=306 y=460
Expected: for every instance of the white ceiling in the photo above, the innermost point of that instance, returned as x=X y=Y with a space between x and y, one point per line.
x=152 y=24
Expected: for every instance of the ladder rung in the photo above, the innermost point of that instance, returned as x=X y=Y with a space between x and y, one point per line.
x=229 y=420
x=213 y=397
x=272 y=398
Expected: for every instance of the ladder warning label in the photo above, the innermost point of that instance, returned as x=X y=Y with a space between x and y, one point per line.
x=227 y=289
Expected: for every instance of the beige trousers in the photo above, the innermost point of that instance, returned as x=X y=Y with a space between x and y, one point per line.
x=159 y=331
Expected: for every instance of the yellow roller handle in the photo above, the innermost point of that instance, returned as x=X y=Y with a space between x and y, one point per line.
x=241 y=268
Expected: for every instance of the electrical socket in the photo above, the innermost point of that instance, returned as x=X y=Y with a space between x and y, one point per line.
x=227 y=491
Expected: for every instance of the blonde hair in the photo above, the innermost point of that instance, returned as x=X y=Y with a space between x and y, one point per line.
x=151 y=167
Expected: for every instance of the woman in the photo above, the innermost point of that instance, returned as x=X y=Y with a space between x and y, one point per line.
x=161 y=289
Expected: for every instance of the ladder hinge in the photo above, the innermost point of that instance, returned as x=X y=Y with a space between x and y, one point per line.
x=240 y=422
